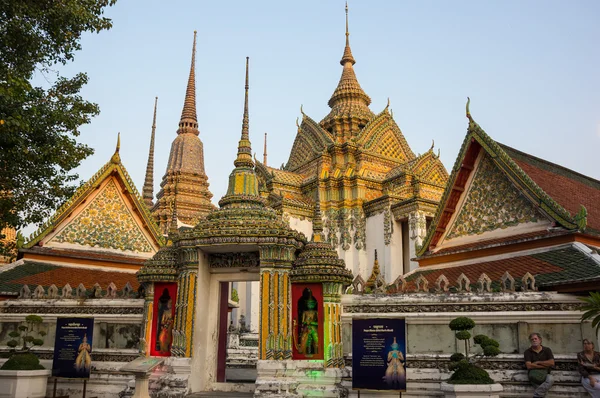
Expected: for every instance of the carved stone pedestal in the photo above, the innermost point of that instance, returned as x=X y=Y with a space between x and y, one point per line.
x=298 y=379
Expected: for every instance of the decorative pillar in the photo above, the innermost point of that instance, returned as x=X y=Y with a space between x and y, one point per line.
x=417 y=230
x=275 y=340
x=183 y=331
x=334 y=355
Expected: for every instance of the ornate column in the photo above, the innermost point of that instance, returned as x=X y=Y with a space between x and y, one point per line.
x=146 y=331
x=332 y=297
x=275 y=339
x=417 y=229
x=183 y=330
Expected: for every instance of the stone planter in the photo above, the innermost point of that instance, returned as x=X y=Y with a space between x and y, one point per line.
x=471 y=390
x=24 y=383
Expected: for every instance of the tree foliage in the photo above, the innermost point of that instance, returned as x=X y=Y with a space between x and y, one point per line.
x=592 y=309
x=39 y=126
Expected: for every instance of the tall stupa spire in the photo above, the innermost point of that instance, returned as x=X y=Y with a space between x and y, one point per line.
x=148 y=190
x=185 y=183
x=349 y=103
x=243 y=183
x=189 y=120
x=244 y=155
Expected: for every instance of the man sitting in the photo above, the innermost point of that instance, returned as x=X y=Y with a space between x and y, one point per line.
x=539 y=360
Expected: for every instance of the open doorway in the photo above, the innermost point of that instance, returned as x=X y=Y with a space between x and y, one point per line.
x=238 y=331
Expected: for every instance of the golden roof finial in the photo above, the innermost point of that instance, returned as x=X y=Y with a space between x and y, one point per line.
x=115 y=157
x=468 y=111
x=347 y=57
x=265 y=151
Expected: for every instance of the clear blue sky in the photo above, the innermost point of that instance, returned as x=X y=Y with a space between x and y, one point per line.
x=531 y=68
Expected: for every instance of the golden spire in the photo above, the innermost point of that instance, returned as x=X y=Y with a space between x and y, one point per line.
x=348 y=103
x=347 y=57
x=244 y=156
x=189 y=121
x=148 y=190
x=265 y=151
x=243 y=183
x=115 y=157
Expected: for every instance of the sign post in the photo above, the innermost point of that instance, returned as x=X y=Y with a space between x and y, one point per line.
x=379 y=354
x=72 y=349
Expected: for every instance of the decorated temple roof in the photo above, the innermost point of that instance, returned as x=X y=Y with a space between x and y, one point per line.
x=120 y=230
x=568 y=188
x=530 y=202
x=561 y=265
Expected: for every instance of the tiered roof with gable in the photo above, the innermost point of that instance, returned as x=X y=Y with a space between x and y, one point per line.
x=185 y=180
x=504 y=210
x=106 y=215
x=357 y=155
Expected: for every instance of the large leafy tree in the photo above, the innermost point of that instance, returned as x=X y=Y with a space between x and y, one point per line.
x=39 y=126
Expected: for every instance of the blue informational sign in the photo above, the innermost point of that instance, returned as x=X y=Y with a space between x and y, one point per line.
x=73 y=348
x=379 y=354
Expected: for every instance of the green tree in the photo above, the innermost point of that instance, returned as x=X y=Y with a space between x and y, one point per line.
x=39 y=126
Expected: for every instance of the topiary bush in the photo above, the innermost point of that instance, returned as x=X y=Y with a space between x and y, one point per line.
x=466 y=370
x=23 y=361
x=22 y=358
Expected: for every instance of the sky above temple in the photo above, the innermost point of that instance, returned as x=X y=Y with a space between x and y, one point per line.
x=531 y=68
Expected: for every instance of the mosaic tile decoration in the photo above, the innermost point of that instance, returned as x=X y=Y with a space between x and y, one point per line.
x=107 y=223
x=493 y=202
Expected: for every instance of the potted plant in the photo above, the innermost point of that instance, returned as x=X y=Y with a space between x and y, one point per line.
x=22 y=375
x=468 y=378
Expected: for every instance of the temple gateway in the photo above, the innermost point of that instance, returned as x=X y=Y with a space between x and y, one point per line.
x=256 y=297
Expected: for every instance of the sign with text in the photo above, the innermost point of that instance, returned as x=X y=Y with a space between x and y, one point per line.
x=378 y=354
x=73 y=348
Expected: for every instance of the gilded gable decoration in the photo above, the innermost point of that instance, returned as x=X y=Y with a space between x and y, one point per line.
x=492 y=203
x=499 y=166
x=106 y=223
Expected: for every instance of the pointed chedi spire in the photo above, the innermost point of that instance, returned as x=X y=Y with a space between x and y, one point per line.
x=148 y=190
x=244 y=155
x=349 y=103
x=243 y=183
x=189 y=120
x=185 y=169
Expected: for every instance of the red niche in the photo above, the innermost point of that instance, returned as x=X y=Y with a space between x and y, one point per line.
x=165 y=296
x=307 y=321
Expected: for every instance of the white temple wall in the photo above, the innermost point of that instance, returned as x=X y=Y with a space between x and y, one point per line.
x=253 y=290
x=301 y=225
x=375 y=241
x=507 y=317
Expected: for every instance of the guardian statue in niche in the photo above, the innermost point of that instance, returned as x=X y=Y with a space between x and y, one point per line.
x=165 y=323
x=308 y=327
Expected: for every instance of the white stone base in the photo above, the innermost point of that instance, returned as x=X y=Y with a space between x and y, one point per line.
x=24 y=383
x=298 y=379
x=471 y=390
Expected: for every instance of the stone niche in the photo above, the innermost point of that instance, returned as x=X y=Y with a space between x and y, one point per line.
x=117 y=335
